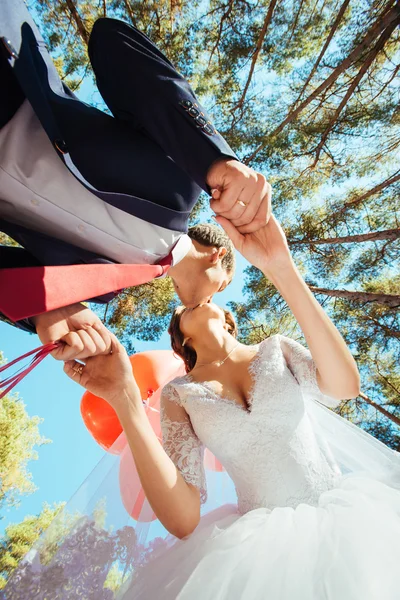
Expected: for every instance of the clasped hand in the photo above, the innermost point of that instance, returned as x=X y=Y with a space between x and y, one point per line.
x=239 y=194
x=108 y=376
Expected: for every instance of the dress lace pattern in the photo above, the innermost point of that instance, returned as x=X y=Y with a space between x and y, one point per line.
x=180 y=441
x=270 y=451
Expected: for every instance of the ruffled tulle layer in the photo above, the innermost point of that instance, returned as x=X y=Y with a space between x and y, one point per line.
x=346 y=548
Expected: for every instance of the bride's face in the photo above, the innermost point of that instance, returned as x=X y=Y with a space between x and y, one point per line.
x=203 y=317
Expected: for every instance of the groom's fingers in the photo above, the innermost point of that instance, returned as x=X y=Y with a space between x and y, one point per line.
x=227 y=204
x=236 y=237
x=71 y=348
x=241 y=200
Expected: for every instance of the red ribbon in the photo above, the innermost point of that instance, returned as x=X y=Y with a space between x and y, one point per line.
x=40 y=353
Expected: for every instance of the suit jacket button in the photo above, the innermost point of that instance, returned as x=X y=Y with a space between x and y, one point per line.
x=208 y=129
x=193 y=112
x=9 y=47
x=186 y=104
x=200 y=121
x=61 y=146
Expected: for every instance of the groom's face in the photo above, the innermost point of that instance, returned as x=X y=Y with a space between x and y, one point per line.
x=201 y=284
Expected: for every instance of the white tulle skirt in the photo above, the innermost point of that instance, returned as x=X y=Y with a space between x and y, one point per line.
x=346 y=548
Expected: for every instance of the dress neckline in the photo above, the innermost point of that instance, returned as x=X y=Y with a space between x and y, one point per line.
x=252 y=369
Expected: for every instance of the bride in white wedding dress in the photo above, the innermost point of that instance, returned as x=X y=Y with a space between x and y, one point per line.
x=318 y=500
x=318 y=512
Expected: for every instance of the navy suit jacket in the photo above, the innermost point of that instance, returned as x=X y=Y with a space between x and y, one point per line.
x=186 y=136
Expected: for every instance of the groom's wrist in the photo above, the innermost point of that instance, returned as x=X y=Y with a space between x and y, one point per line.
x=218 y=163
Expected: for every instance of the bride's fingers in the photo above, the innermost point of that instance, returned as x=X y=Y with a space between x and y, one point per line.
x=75 y=371
x=236 y=237
x=116 y=346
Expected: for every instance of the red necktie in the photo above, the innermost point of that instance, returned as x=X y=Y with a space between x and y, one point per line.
x=29 y=291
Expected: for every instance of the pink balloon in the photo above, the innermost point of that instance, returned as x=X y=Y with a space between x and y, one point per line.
x=132 y=494
x=212 y=463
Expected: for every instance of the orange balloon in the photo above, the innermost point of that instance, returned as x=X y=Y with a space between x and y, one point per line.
x=152 y=370
x=100 y=419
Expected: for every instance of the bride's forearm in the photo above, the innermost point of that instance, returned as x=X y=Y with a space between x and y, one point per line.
x=337 y=371
x=175 y=502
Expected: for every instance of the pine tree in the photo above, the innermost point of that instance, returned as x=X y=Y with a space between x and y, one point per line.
x=19 y=437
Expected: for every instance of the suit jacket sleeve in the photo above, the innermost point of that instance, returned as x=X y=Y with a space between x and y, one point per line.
x=140 y=85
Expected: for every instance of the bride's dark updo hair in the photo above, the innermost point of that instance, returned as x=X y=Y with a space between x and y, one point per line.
x=188 y=354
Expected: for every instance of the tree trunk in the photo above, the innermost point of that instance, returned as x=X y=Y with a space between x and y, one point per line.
x=382 y=410
x=391 y=300
x=378 y=27
x=388 y=234
x=83 y=32
x=332 y=32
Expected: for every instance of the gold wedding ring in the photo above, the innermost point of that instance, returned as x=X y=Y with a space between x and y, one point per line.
x=78 y=370
x=241 y=203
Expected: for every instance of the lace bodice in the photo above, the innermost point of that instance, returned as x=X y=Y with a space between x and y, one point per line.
x=270 y=451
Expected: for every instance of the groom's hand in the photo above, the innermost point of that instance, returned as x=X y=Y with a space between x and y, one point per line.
x=239 y=194
x=80 y=330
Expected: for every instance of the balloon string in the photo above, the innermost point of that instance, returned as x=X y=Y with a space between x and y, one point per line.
x=40 y=354
x=148 y=407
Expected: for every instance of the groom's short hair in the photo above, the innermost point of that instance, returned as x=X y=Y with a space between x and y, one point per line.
x=209 y=234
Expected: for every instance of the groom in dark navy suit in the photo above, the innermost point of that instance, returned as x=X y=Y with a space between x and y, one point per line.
x=78 y=186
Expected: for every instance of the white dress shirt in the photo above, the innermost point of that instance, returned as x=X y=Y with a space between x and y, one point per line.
x=37 y=191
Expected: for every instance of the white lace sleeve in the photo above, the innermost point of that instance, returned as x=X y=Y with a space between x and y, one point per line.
x=180 y=441
x=301 y=364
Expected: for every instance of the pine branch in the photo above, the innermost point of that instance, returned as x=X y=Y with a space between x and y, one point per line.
x=368 y=62
x=221 y=27
x=380 y=408
x=369 y=193
x=297 y=17
x=324 y=48
x=386 y=380
x=83 y=32
x=261 y=38
x=379 y=26
x=129 y=11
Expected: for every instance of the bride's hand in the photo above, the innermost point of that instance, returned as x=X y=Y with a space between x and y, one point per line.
x=109 y=376
x=266 y=249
